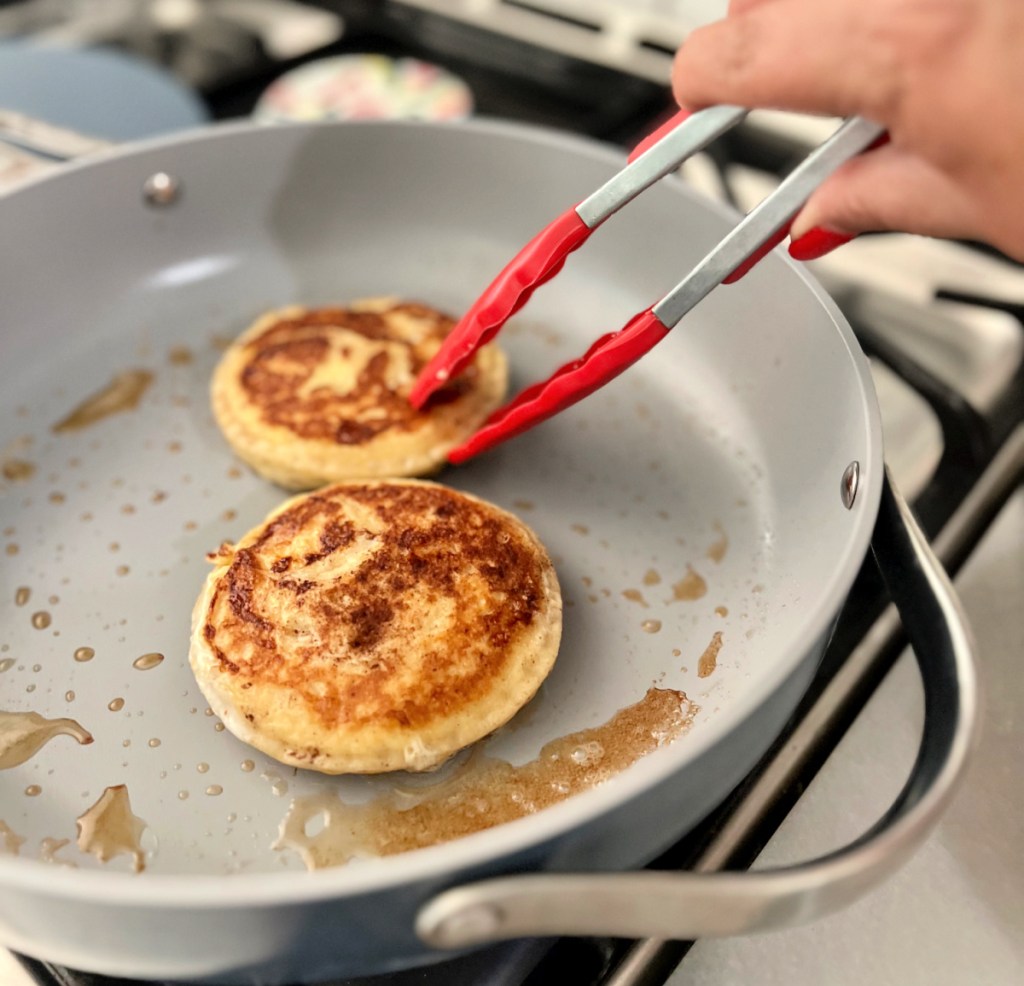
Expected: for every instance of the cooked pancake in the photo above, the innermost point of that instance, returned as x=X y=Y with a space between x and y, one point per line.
x=309 y=396
x=373 y=626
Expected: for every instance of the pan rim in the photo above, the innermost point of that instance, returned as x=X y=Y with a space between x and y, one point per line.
x=258 y=889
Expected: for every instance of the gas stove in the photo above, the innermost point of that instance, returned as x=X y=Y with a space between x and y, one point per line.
x=943 y=325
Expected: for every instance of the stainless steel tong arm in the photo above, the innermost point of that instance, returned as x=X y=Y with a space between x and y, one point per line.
x=661 y=158
x=767 y=218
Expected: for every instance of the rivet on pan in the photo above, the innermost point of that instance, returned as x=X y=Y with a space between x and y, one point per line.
x=161 y=189
x=848 y=484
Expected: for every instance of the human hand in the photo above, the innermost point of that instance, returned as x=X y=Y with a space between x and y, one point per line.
x=943 y=76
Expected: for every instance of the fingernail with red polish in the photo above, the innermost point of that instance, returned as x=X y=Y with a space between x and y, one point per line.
x=817 y=242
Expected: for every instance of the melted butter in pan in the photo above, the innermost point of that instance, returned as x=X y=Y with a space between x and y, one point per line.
x=10 y=841
x=23 y=734
x=109 y=828
x=484 y=791
x=123 y=393
x=709 y=659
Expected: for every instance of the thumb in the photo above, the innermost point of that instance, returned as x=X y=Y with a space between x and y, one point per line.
x=889 y=189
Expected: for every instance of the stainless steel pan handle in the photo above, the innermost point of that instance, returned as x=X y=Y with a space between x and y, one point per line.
x=701 y=905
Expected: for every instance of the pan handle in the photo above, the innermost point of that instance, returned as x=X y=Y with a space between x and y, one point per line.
x=685 y=906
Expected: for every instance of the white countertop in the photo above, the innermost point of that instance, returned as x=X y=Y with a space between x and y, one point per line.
x=11 y=971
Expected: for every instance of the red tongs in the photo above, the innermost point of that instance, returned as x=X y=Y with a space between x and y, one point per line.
x=657 y=155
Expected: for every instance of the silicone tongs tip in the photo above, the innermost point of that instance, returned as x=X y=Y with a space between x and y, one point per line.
x=536 y=263
x=426 y=385
x=602 y=362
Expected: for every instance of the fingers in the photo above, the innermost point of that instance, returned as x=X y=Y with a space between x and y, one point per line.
x=741 y=6
x=785 y=54
x=888 y=189
x=937 y=74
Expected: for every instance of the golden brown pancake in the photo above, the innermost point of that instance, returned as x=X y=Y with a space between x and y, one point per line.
x=373 y=626
x=311 y=396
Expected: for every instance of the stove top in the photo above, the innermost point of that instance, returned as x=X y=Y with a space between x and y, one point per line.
x=942 y=324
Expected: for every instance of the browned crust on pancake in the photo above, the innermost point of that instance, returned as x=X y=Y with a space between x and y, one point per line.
x=425 y=627
x=309 y=396
x=281 y=359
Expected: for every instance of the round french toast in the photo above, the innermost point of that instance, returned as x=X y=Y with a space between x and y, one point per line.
x=309 y=396
x=373 y=626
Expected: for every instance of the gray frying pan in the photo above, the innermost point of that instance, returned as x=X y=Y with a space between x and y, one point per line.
x=707 y=513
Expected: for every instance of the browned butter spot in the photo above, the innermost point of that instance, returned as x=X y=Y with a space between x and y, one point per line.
x=717 y=549
x=18 y=470
x=10 y=841
x=23 y=734
x=123 y=393
x=691 y=586
x=709 y=659
x=109 y=828
x=147 y=662
x=48 y=849
x=486 y=792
